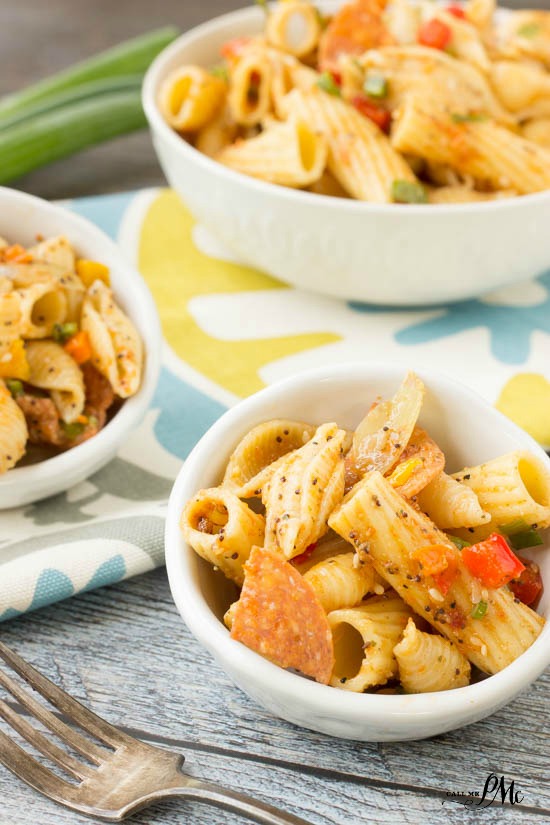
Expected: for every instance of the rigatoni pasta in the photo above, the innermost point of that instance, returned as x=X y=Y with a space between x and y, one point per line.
x=395 y=89
x=411 y=577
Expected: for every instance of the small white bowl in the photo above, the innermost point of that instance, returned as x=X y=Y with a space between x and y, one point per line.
x=384 y=254
x=470 y=431
x=22 y=217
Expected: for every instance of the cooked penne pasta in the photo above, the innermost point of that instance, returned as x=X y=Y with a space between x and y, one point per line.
x=250 y=89
x=361 y=157
x=217 y=134
x=358 y=619
x=293 y=27
x=117 y=351
x=341 y=582
x=222 y=530
x=13 y=431
x=289 y=154
x=395 y=88
x=304 y=490
x=190 y=97
x=514 y=486
x=538 y=131
x=364 y=638
x=253 y=461
x=451 y=505
x=428 y=662
x=393 y=535
x=480 y=148
x=52 y=369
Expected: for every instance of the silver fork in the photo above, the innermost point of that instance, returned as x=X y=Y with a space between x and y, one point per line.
x=111 y=784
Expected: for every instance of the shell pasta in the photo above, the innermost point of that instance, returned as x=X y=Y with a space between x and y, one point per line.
x=357 y=534
x=390 y=91
x=67 y=350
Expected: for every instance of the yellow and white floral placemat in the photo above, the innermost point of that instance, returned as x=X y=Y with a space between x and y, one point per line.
x=229 y=331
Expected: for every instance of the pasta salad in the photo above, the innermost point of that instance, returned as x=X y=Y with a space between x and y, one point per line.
x=68 y=354
x=387 y=101
x=361 y=563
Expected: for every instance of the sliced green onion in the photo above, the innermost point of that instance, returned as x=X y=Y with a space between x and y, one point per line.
x=376 y=86
x=322 y=18
x=63 y=132
x=479 y=610
x=519 y=525
x=327 y=83
x=130 y=57
x=529 y=30
x=62 y=332
x=472 y=117
x=527 y=538
x=458 y=542
x=220 y=71
x=92 y=421
x=15 y=387
x=406 y=191
x=73 y=430
x=67 y=97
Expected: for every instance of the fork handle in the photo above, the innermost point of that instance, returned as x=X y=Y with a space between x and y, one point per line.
x=233 y=801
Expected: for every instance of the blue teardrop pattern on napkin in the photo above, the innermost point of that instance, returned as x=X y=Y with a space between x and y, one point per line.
x=106 y=212
x=111 y=571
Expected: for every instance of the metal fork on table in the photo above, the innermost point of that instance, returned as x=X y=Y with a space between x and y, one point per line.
x=113 y=782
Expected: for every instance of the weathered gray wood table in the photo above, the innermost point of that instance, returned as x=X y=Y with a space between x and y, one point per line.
x=125 y=652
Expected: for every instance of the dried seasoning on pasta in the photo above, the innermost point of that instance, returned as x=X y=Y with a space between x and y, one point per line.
x=222 y=529
x=280 y=617
x=428 y=572
x=301 y=494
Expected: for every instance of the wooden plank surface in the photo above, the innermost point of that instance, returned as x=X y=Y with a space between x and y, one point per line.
x=39 y=37
x=125 y=652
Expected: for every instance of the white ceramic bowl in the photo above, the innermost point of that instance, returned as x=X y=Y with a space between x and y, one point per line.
x=21 y=218
x=469 y=430
x=385 y=254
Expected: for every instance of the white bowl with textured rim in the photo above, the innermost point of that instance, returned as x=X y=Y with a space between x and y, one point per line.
x=385 y=254
x=470 y=431
x=22 y=217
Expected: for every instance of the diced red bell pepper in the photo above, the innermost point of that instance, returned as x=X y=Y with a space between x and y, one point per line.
x=233 y=48
x=528 y=586
x=492 y=561
x=456 y=11
x=435 y=34
x=377 y=114
x=439 y=562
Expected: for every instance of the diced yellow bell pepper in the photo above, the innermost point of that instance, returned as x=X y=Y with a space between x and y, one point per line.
x=13 y=361
x=90 y=271
x=404 y=471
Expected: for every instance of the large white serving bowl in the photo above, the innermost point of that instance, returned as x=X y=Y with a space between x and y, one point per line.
x=384 y=254
x=469 y=430
x=22 y=217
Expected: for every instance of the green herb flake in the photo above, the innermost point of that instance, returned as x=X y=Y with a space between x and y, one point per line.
x=376 y=86
x=73 y=430
x=15 y=387
x=62 y=332
x=327 y=83
x=322 y=19
x=479 y=610
x=458 y=542
x=220 y=71
x=92 y=421
x=529 y=30
x=471 y=117
x=406 y=191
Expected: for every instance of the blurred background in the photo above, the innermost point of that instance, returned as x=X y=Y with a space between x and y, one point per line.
x=38 y=38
